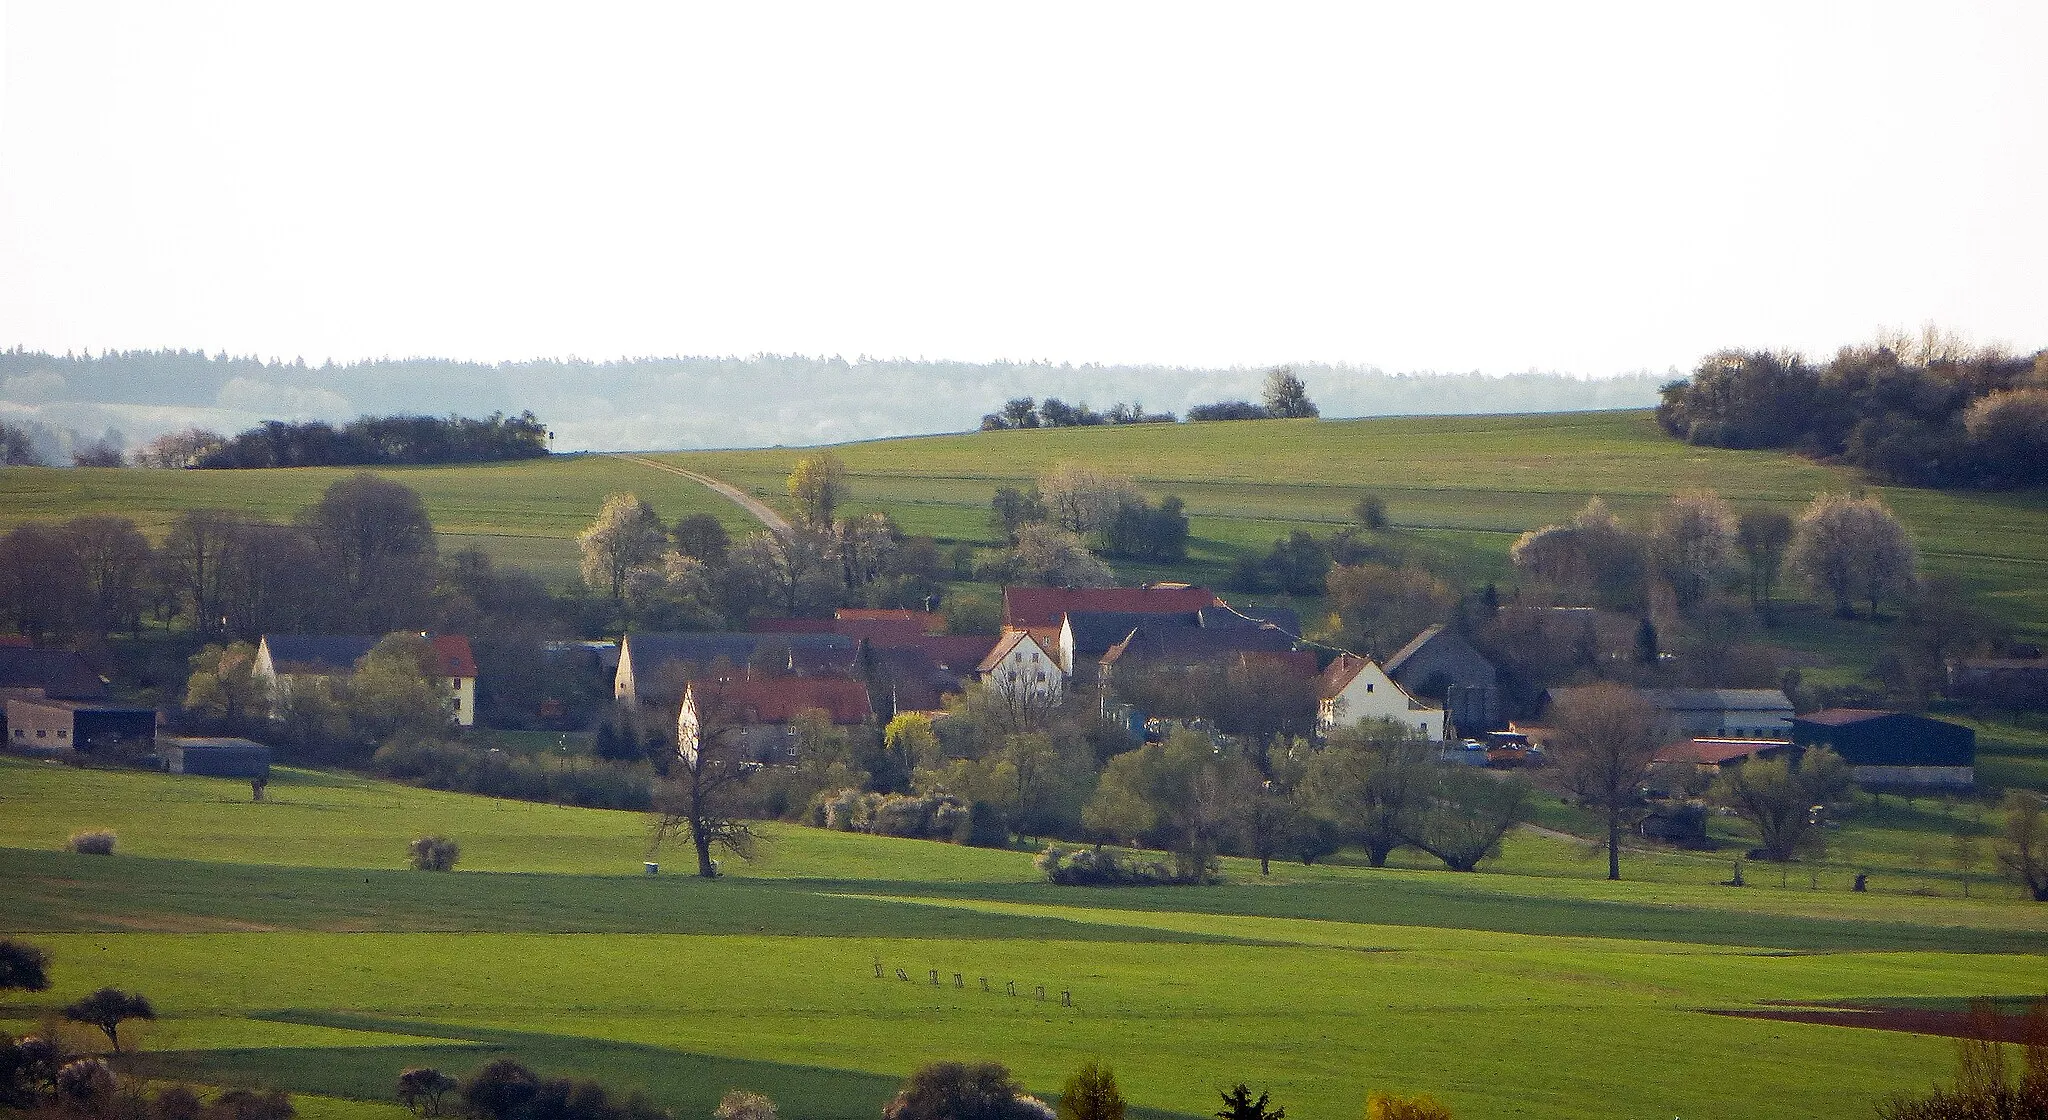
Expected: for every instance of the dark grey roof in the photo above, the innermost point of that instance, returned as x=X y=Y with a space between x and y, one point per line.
x=1192 y=643
x=808 y=652
x=1096 y=631
x=1413 y=647
x=319 y=653
x=59 y=673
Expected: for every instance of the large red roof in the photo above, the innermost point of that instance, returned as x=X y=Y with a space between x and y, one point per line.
x=1042 y=607
x=782 y=699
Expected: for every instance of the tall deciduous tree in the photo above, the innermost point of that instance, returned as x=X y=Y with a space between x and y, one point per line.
x=818 y=484
x=192 y=554
x=1287 y=396
x=1853 y=549
x=701 y=536
x=1778 y=798
x=626 y=536
x=702 y=796
x=41 y=589
x=1082 y=499
x=793 y=574
x=1692 y=538
x=1373 y=781
x=1763 y=535
x=374 y=540
x=1606 y=738
x=2023 y=849
x=1381 y=607
x=107 y=1009
x=113 y=560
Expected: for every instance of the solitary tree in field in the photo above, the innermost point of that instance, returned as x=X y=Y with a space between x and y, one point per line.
x=107 y=1009
x=1239 y=1104
x=701 y=797
x=1091 y=1094
x=2023 y=852
x=1779 y=800
x=818 y=483
x=626 y=535
x=1606 y=738
x=23 y=967
x=1287 y=396
x=422 y=1091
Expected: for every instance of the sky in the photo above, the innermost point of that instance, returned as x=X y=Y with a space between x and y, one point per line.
x=1592 y=188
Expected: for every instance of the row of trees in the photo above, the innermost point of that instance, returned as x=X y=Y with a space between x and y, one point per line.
x=1285 y=398
x=1926 y=410
x=1020 y=413
x=368 y=441
x=35 y=445
x=1848 y=550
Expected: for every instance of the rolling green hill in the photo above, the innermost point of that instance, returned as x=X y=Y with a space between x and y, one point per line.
x=283 y=944
x=1467 y=484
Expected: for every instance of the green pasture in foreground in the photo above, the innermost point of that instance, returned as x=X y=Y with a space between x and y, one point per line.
x=524 y=513
x=285 y=946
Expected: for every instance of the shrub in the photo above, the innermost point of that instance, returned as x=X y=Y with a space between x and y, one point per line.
x=462 y=769
x=86 y=1084
x=93 y=842
x=435 y=853
x=1386 y=1106
x=742 y=1105
x=956 y=1090
x=1094 y=868
x=23 y=967
x=248 y=1104
x=422 y=1090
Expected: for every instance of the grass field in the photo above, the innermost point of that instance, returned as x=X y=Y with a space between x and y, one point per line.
x=1467 y=485
x=285 y=945
x=525 y=513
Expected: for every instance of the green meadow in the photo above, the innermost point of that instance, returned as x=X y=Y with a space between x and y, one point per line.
x=524 y=513
x=1465 y=485
x=284 y=944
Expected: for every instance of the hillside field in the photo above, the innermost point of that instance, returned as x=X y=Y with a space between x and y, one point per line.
x=283 y=944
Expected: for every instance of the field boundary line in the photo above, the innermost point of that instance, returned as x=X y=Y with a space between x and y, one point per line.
x=755 y=507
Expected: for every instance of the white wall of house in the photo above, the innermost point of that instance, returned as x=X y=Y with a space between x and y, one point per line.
x=1374 y=695
x=1027 y=671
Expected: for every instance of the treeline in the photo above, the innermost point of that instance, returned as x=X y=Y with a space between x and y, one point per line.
x=1072 y=510
x=380 y=441
x=1918 y=411
x=1286 y=398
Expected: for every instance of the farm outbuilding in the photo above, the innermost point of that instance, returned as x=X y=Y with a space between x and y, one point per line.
x=81 y=725
x=1893 y=748
x=216 y=757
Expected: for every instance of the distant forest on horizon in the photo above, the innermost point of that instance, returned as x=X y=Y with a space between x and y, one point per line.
x=696 y=402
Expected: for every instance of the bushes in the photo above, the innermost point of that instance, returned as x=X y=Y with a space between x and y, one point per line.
x=937 y=816
x=93 y=842
x=1100 y=868
x=434 y=853
x=452 y=766
x=506 y=1090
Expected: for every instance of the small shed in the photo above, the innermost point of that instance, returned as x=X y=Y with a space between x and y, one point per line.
x=216 y=757
x=1893 y=748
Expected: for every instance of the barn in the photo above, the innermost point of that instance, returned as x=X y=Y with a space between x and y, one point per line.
x=1893 y=749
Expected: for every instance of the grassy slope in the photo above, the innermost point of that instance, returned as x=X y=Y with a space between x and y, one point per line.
x=1471 y=483
x=525 y=513
x=1502 y=993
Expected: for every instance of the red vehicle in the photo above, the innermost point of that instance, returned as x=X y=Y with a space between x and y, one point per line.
x=1508 y=749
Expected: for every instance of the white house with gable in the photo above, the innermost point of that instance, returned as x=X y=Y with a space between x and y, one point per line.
x=1022 y=668
x=1355 y=689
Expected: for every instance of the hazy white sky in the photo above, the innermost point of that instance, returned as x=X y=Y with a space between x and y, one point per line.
x=1586 y=187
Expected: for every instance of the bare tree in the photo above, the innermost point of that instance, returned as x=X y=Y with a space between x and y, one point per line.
x=113 y=559
x=1606 y=737
x=626 y=536
x=701 y=796
x=818 y=484
x=374 y=539
x=1763 y=535
x=2023 y=850
x=792 y=575
x=1081 y=499
x=192 y=553
x=1467 y=815
x=1373 y=781
x=1049 y=556
x=1287 y=397
x=177 y=450
x=41 y=591
x=1778 y=799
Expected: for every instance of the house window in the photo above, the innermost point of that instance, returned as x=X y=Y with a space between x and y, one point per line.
x=1034 y=657
x=792 y=752
x=62 y=734
x=19 y=733
x=42 y=734
x=456 y=704
x=1368 y=686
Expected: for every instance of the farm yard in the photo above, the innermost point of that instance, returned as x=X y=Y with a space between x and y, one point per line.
x=283 y=945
